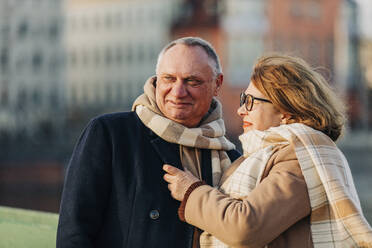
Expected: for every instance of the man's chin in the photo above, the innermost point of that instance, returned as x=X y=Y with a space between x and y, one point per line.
x=184 y=120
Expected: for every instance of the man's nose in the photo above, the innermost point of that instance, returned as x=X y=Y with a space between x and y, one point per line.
x=179 y=89
x=242 y=111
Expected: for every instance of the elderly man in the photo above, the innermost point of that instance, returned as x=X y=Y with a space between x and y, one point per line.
x=114 y=194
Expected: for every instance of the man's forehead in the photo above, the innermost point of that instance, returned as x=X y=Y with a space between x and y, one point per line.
x=188 y=59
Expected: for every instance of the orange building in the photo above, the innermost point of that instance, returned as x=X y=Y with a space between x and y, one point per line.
x=304 y=28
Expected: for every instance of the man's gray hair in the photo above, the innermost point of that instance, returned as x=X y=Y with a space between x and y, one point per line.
x=195 y=41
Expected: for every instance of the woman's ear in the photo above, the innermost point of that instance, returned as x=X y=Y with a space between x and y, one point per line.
x=284 y=118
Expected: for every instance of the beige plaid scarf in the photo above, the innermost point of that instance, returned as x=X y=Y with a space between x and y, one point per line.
x=336 y=215
x=209 y=135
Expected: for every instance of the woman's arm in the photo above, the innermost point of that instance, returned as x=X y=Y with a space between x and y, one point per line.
x=279 y=201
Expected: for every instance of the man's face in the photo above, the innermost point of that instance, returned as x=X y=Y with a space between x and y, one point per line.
x=186 y=84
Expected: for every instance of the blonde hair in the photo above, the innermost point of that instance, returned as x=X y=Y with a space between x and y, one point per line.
x=298 y=90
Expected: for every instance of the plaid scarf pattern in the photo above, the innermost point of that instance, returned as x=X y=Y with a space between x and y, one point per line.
x=210 y=134
x=336 y=215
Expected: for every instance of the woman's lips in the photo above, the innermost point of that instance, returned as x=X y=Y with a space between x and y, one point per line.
x=246 y=124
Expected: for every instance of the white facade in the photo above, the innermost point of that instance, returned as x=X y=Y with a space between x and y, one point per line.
x=245 y=25
x=32 y=66
x=112 y=47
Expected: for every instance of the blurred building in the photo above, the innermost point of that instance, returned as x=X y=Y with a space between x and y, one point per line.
x=236 y=29
x=366 y=66
x=304 y=28
x=348 y=77
x=245 y=26
x=324 y=33
x=31 y=65
x=112 y=47
x=365 y=54
x=32 y=110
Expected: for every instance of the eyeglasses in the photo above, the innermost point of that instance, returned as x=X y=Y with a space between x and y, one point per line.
x=248 y=100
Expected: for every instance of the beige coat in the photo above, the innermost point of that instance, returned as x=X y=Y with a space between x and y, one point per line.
x=276 y=212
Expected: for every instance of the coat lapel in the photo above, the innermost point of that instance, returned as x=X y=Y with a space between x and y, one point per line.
x=168 y=152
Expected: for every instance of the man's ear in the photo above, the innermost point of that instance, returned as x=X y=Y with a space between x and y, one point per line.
x=219 y=81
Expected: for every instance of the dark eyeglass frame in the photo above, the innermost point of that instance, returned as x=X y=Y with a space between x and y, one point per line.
x=244 y=97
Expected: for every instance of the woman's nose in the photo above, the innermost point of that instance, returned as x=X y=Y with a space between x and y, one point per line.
x=242 y=111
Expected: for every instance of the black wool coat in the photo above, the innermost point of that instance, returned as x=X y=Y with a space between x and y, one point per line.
x=114 y=193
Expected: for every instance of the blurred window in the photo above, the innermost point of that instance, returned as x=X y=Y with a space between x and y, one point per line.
x=4 y=59
x=5 y=30
x=36 y=97
x=22 y=99
x=54 y=30
x=97 y=22
x=278 y=43
x=314 y=51
x=20 y=63
x=37 y=61
x=84 y=57
x=97 y=57
x=72 y=58
x=118 y=19
x=139 y=18
x=296 y=8
x=141 y=53
x=108 y=93
x=119 y=55
x=108 y=56
x=4 y=97
x=22 y=29
x=118 y=92
x=330 y=54
x=108 y=20
x=84 y=22
x=73 y=95
x=128 y=17
x=73 y=23
x=54 y=63
x=152 y=51
x=129 y=54
x=313 y=9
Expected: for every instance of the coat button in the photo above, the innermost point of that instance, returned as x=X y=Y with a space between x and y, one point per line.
x=154 y=214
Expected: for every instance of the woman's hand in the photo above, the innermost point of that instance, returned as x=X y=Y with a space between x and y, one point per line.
x=179 y=181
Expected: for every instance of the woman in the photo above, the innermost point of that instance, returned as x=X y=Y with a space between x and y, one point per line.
x=293 y=186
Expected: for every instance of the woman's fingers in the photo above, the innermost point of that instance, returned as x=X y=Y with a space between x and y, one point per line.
x=171 y=169
x=169 y=178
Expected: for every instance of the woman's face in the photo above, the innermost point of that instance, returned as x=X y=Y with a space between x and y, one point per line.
x=263 y=114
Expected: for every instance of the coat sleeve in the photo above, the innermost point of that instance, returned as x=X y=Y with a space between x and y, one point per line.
x=279 y=201
x=86 y=189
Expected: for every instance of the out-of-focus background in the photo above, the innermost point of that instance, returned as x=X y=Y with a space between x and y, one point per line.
x=64 y=62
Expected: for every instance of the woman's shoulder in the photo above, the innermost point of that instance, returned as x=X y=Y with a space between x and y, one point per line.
x=283 y=160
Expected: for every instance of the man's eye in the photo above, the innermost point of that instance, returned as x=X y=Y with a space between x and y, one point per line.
x=169 y=79
x=193 y=82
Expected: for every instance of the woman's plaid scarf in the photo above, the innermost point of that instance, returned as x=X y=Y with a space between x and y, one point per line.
x=210 y=134
x=336 y=215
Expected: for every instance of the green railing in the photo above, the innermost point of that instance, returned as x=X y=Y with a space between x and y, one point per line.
x=21 y=228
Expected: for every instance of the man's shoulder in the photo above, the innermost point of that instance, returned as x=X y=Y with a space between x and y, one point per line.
x=117 y=120
x=116 y=117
